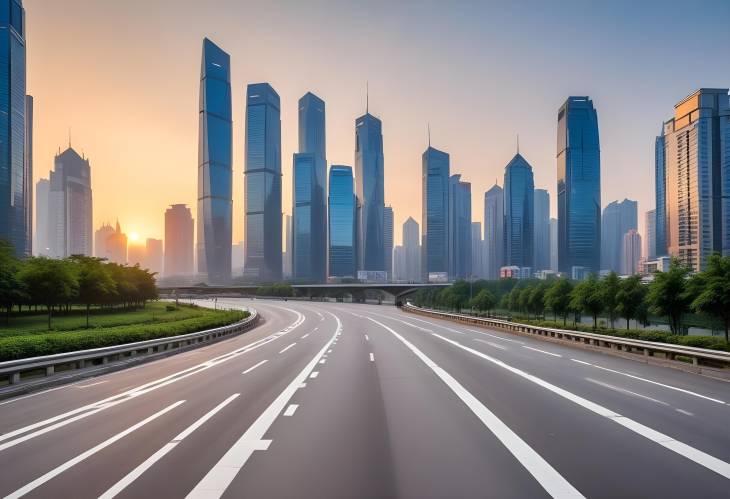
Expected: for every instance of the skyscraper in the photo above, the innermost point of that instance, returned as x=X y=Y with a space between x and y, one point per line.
x=660 y=189
x=494 y=230
x=554 y=244
x=286 y=264
x=388 y=239
x=477 y=250
x=697 y=155
x=116 y=246
x=399 y=263
x=310 y=197
x=13 y=214
x=342 y=223
x=370 y=188
x=70 y=206
x=459 y=228
x=630 y=252
x=28 y=175
x=434 y=213
x=215 y=174
x=650 y=236
x=542 y=229
x=178 y=241
x=262 y=185
x=519 y=210
x=153 y=255
x=412 y=250
x=618 y=219
x=40 y=241
x=579 y=186
x=100 y=238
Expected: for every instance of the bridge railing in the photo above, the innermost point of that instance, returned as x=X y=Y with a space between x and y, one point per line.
x=699 y=357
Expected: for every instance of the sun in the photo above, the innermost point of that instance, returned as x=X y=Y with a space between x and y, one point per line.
x=133 y=237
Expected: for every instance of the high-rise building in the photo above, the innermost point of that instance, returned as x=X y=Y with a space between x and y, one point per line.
x=13 y=179
x=388 y=240
x=579 y=186
x=412 y=250
x=310 y=193
x=100 y=237
x=178 y=241
x=40 y=241
x=237 y=259
x=399 y=263
x=477 y=250
x=154 y=254
x=494 y=231
x=342 y=223
x=519 y=210
x=630 y=252
x=541 y=229
x=28 y=175
x=370 y=189
x=116 y=246
x=650 y=235
x=215 y=159
x=288 y=252
x=618 y=219
x=70 y=206
x=697 y=177
x=435 y=214
x=262 y=185
x=459 y=228
x=660 y=190
x=554 y=244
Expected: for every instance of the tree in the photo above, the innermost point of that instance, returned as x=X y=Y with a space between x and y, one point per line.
x=557 y=298
x=610 y=286
x=587 y=297
x=49 y=282
x=483 y=301
x=10 y=288
x=537 y=299
x=630 y=298
x=668 y=294
x=95 y=283
x=524 y=300
x=711 y=289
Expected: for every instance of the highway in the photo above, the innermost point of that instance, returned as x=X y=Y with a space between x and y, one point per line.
x=337 y=400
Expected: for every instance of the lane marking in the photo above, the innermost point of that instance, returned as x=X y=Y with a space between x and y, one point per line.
x=686 y=413
x=74 y=461
x=16 y=399
x=553 y=483
x=495 y=336
x=703 y=459
x=290 y=410
x=542 y=351
x=329 y=351
x=367 y=338
x=323 y=361
x=255 y=366
x=305 y=335
x=435 y=324
x=288 y=347
x=491 y=344
x=582 y=362
x=150 y=461
x=628 y=392
x=303 y=385
x=92 y=384
x=114 y=400
x=372 y=357
x=314 y=374
x=220 y=476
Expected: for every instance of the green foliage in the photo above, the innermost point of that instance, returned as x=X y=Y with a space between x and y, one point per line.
x=610 y=286
x=11 y=289
x=668 y=295
x=587 y=297
x=278 y=289
x=711 y=290
x=484 y=301
x=557 y=298
x=630 y=297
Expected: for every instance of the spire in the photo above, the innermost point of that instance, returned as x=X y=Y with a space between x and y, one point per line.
x=518 y=143
x=429 y=134
x=69 y=137
x=367 y=97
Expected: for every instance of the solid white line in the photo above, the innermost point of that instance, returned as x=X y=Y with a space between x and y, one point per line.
x=72 y=462
x=553 y=483
x=217 y=480
x=314 y=374
x=435 y=324
x=542 y=351
x=499 y=347
x=92 y=384
x=290 y=410
x=628 y=392
x=710 y=462
x=288 y=347
x=16 y=399
x=372 y=357
x=255 y=366
x=495 y=336
x=150 y=461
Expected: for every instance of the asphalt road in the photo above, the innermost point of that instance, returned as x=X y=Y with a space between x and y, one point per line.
x=328 y=400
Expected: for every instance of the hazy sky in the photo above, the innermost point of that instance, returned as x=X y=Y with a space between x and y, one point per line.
x=124 y=76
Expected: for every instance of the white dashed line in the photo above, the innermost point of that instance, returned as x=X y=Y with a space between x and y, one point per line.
x=290 y=410
x=314 y=374
x=372 y=357
x=255 y=366
x=367 y=338
x=305 y=335
x=288 y=347
x=495 y=336
x=92 y=384
x=499 y=347
x=323 y=361
x=542 y=351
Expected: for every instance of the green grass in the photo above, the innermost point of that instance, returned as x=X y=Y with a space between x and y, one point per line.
x=27 y=335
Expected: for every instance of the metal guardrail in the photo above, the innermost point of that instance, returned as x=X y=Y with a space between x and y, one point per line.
x=13 y=369
x=669 y=351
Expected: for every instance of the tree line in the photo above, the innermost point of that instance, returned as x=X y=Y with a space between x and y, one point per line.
x=671 y=294
x=77 y=280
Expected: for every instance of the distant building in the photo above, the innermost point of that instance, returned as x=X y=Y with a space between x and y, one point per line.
x=554 y=244
x=542 y=229
x=515 y=272
x=459 y=228
x=618 y=219
x=28 y=175
x=370 y=189
x=289 y=245
x=342 y=224
x=237 y=251
x=70 y=206
x=116 y=246
x=399 y=264
x=477 y=250
x=435 y=212
x=178 y=241
x=100 y=237
x=519 y=191
x=630 y=253
x=660 y=264
x=660 y=192
x=578 y=273
x=154 y=255
x=650 y=235
x=412 y=251
x=579 y=186
x=41 y=243
x=494 y=231
x=388 y=240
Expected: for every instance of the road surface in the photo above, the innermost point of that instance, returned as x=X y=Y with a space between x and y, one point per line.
x=336 y=400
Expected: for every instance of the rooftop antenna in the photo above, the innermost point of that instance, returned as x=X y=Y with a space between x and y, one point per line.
x=367 y=97
x=429 y=134
x=69 y=137
x=518 y=143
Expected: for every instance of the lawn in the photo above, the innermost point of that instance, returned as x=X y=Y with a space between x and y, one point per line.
x=27 y=334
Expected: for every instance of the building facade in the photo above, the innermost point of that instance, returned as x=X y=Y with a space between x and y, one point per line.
x=519 y=210
x=554 y=244
x=178 y=241
x=459 y=228
x=650 y=235
x=618 y=219
x=40 y=241
x=630 y=252
x=435 y=213
x=215 y=160
x=28 y=175
x=660 y=192
x=579 y=186
x=116 y=246
x=477 y=250
x=494 y=231
x=342 y=223
x=100 y=236
x=370 y=189
x=388 y=239
x=542 y=229
x=412 y=250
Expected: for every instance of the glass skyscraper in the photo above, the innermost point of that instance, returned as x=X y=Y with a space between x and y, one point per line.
x=215 y=173
x=262 y=185
x=388 y=239
x=542 y=229
x=459 y=228
x=370 y=186
x=310 y=198
x=618 y=219
x=519 y=200
x=494 y=231
x=579 y=186
x=435 y=212
x=660 y=189
x=13 y=178
x=342 y=223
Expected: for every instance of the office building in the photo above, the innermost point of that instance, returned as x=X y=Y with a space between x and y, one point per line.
x=370 y=189
x=435 y=214
x=215 y=174
x=116 y=246
x=388 y=240
x=262 y=185
x=494 y=231
x=288 y=244
x=459 y=228
x=541 y=219
x=412 y=250
x=650 y=235
x=519 y=212
x=618 y=219
x=100 y=237
x=660 y=192
x=28 y=175
x=40 y=241
x=477 y=250
x=237 y=259
x=579 y=187
x=399 y=264
x=178 y=241
x=342 y=223
x=630 y=252
x=554 y=244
